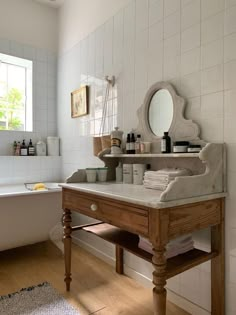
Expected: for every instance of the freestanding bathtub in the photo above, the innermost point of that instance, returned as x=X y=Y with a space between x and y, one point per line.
x=27 y=217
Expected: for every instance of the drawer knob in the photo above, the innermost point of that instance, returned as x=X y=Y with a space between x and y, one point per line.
x=93 y=207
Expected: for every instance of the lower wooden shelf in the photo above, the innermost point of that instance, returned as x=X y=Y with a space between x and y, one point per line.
x=129 y=242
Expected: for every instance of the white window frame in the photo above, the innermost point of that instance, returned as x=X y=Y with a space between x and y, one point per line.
x=28 y=65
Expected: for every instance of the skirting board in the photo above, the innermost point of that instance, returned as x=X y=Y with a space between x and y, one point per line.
x=187 y=305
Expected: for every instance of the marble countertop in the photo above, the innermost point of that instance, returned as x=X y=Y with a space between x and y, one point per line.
x=135 y=194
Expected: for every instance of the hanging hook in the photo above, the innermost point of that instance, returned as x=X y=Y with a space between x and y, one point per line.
x=111 y=80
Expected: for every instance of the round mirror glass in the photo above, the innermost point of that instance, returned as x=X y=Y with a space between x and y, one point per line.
x=160 y=112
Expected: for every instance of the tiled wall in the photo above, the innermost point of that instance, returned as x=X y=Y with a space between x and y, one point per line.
x=29 y=169
x=24 y=169
x=44 y=94
x=192 y=44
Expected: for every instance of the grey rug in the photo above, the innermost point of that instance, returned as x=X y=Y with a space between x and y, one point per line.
x=37 y=300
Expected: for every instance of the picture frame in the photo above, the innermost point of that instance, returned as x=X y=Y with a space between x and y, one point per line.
x=79 y=102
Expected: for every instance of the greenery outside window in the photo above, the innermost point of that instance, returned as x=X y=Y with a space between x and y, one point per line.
x=15 y=93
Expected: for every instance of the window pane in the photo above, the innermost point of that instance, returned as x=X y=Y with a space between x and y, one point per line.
x=16 y=78
x=3 y=79
x=15 y=104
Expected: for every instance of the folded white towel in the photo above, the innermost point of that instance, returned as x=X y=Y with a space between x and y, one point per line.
x=160 y=179
x=156 y=186
x=175 y=171
x=182 y=240
x=175 y=247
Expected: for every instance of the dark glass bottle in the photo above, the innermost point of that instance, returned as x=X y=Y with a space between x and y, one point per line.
x=128 y=144
x=132 y=144
x=166 y=143
x=23 y=149
x=31 y=149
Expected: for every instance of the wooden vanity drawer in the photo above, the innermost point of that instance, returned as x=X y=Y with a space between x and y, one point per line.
x=123 y=215
x=76 y=201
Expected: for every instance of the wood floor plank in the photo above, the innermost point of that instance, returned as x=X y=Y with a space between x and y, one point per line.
x=95 y=289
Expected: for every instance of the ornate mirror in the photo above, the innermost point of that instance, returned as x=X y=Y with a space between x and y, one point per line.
x=162 y=110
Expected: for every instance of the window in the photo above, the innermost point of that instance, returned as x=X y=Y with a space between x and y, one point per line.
x=15 y=93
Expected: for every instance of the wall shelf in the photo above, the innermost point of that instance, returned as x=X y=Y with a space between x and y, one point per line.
x=153 y=155
x=32 y=156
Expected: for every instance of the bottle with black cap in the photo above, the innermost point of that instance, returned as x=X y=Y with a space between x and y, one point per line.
x=166 y=143
x=23 y=149
x=31 y=149
x=132 y=144
x=128 y=144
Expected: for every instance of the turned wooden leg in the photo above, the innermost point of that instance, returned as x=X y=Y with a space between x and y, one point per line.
x=67 y=246
x=218 y=268
x=119 y=260
x=159 y=280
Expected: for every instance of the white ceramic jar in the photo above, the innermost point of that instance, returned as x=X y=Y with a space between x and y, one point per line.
x=102 y=174
x=116 y=141
x=91 y=174
x=41 y=148
x=128 y=173
x=138 y=173
x=53 y=146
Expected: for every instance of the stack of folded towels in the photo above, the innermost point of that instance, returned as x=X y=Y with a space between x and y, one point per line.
x=160 y=179
x=175 y=247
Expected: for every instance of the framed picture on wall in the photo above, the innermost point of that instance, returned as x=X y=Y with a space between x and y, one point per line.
x=79 y=102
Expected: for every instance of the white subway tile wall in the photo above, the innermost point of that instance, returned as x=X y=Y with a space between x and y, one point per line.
x=191 y=43
x=18 y=169
x=27 y=169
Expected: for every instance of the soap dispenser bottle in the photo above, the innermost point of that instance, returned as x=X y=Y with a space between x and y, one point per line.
x=31 y=149
x=23 y=149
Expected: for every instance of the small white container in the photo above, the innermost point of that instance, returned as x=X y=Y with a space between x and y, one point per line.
x=180 y=149
x=102 y=174
x=194 y=148
x=180 y=146
x=53 y=146
x=138 y=173
x=128 y=173
x=91 y=175
x=119 y=173
x=41 y=148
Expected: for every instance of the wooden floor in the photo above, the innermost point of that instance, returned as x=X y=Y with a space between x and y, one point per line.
x=95 y=289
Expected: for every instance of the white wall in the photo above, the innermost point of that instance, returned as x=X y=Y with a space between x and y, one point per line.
x=29 y=30
x=29 y=23
x=79 y=18
x=192 y=44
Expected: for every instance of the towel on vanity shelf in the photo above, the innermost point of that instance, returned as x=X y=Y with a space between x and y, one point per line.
x=175 y=247
x=160 y=179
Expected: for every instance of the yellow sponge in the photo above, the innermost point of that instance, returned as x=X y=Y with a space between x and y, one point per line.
x=39 y=186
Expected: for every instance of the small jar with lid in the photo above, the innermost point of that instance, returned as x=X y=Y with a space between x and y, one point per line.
x=180 y=146
x=194 y=148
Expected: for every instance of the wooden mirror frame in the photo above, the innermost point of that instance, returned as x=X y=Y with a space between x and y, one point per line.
x=181 y=129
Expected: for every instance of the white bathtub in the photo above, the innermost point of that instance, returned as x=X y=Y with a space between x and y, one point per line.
x=27 y=217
